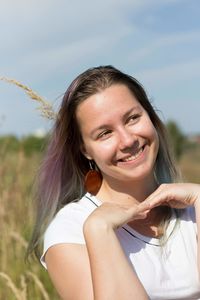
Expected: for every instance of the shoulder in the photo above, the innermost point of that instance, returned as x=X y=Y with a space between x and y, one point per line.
x=67 y=225
x=68 y=222
x=74 y=213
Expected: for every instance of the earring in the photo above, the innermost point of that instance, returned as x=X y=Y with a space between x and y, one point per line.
x=93 y=180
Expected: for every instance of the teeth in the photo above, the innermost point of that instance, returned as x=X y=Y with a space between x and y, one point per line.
x=132 y=157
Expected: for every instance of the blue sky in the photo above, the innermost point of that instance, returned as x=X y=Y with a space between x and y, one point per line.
x=45 y=44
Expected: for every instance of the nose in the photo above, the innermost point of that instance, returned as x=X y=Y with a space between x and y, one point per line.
x=126 y=139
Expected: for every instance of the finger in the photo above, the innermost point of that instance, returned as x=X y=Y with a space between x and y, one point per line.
x=158 y=198
x=153 y=200
x=143 y=209
x=145 y=205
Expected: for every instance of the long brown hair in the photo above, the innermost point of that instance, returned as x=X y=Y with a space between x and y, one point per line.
x=61 y=177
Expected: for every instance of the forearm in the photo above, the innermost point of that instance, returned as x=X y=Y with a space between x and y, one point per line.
x=112 y=274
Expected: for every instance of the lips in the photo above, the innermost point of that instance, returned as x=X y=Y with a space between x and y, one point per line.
x=132 y=156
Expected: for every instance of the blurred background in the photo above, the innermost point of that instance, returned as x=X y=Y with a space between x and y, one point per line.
x=44 y=45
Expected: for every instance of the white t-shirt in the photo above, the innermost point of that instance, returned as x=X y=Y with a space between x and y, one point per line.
x=167 y=272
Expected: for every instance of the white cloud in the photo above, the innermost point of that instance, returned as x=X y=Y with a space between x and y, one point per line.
x=170 y=74
x=33 y=23
x=160 y=43
x=70 y=53
x=51 y=33
x=42 y=40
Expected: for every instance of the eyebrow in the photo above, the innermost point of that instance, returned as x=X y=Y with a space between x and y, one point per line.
x=104 y=126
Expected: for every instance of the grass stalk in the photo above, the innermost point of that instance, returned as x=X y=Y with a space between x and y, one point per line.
x=45 y=107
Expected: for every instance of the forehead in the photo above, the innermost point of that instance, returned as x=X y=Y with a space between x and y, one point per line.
x=113 y=97
x=106 y=106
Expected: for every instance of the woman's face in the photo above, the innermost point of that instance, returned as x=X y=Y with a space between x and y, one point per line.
x=118 y=134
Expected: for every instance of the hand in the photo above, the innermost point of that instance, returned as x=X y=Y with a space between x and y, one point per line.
x=175 y=195
x=114 y=215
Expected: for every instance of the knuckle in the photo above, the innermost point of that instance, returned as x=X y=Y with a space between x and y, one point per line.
x=163 y=185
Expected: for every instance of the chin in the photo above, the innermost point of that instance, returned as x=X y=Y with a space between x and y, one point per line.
x=138 y=175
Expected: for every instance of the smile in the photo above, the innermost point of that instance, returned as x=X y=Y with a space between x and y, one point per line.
x=133 y=157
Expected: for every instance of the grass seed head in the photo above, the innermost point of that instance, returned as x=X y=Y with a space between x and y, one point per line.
x=45 y=107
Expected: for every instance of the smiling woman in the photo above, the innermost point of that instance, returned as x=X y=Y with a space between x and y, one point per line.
x=112 y=216
x=118 y=135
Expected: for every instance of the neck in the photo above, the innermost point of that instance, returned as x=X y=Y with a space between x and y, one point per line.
x=133 y=193
x=126 y=192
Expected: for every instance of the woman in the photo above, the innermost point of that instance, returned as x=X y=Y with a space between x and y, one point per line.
x=116 y=224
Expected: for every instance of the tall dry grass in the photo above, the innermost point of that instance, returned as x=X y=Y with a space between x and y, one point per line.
x=190 y=165
x=19 y=280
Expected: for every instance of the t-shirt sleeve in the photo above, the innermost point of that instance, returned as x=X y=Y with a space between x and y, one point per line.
x=190 y=214
x=189 y=217
x=66 y=227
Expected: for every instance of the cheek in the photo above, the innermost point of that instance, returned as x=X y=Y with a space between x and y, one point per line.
x=151 y=130
x=146 y=130
x=100 y=152
x=150 y=133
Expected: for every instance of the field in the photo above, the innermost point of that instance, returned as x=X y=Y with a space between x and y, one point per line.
x=19 y=280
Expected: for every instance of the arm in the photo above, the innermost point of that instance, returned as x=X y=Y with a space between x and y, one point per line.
x=100 y=270
x=69 y=269
x=112 y=275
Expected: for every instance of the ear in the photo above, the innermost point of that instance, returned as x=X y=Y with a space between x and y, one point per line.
x=84 y=152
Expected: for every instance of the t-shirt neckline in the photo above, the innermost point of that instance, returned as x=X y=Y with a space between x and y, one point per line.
x=136 y=234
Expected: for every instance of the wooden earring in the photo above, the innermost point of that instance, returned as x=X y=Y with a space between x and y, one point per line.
x=93 y=180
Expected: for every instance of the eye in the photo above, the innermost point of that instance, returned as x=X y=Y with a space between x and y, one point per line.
x=133 y=118
x=105 y=134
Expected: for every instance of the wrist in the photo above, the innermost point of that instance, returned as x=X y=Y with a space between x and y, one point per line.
x=94 y=227
x=197 y=198
x=197 y=202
